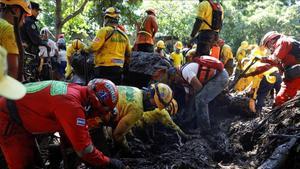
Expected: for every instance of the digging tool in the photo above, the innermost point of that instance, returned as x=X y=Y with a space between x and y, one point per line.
x=231 y=86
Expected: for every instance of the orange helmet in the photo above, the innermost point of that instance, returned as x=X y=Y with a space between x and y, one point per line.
x=25 y=4
x=268 y=37
x=103 y=95
x=151 y=10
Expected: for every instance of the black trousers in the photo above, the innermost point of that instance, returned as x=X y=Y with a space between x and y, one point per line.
x=145 y=47
x=205 y=40
x=113 y=73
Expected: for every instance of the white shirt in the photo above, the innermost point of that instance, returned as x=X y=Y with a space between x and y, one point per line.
x=43 y=49
x=188 y=72
x=62 y=56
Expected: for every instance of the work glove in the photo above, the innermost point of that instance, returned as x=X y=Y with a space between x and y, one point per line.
x=116 y=164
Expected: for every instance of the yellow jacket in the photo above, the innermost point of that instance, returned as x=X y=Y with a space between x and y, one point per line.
x=177 y=59
x=111 y=51
x=130 y=107
x=7 y=37
x=240 y=55
x=161 y=116
x=205 y=13
x=226 y=54
x=69 y=53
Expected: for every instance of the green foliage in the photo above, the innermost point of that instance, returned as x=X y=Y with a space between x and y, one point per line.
x=250 y=20
x=175 y=18
x=86 y=24
x=244 y=19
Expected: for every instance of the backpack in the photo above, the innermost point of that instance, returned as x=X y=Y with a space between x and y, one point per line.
x=217 y=21
x=209 y=62
x=296 y=50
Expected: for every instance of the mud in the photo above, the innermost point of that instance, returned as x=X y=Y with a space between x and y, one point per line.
x=237 y=141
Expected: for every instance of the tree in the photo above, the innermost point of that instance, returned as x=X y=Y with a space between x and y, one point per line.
x=61 y=21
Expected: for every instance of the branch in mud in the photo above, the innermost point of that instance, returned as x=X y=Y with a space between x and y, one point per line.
x=279 y=156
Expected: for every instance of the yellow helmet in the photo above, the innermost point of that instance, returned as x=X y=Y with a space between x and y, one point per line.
x=244 y=44
x=173 y=107
x=163 y=95
x=77 y=44
x=178 y=45
x=25 y=4
x=112 y=12
x=160 y=44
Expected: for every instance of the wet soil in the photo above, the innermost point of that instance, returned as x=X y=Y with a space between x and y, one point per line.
x=238 y=139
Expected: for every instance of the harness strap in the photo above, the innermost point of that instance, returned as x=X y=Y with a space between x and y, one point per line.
x=13 y=112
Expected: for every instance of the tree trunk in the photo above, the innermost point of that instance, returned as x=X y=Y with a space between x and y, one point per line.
x=59 y=22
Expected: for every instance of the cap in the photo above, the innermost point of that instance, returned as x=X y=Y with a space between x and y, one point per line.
x=9 y=87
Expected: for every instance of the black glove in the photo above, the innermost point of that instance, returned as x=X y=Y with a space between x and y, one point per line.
x=116 y=164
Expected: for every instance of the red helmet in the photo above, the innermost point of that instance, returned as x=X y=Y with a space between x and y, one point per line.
x=104 y=95
x=268 y=37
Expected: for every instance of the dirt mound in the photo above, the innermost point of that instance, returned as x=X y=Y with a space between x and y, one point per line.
x=271 y=142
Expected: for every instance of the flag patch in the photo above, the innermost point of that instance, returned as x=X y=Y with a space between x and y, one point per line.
x=80 y=122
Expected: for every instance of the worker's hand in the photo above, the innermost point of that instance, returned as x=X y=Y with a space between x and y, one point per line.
x=116 y=164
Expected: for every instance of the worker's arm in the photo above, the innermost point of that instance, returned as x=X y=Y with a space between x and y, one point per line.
x=167 y=121
x=154 y=26
x=126 y=123
x=196 y=27
x=98 y=41
x=72 y=119
x=13 y=65
x=196 y=84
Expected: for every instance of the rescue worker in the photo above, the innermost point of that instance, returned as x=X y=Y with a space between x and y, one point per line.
x=111 y=47
x=55 y=106
x=285 y=55
x=131 y=105
x=30 y=31
x=159 y=49
x=76 y=46
x=146 y=32
x=226 y=56
x=162 y=116
x=208 y=32
x=13 y=13
x=9 y=87
x=259 y=84
x=240 y=55
x=206 y=78
x=177 y=56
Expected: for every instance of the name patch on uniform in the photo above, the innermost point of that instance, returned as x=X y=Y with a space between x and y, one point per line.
x=80 y=122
